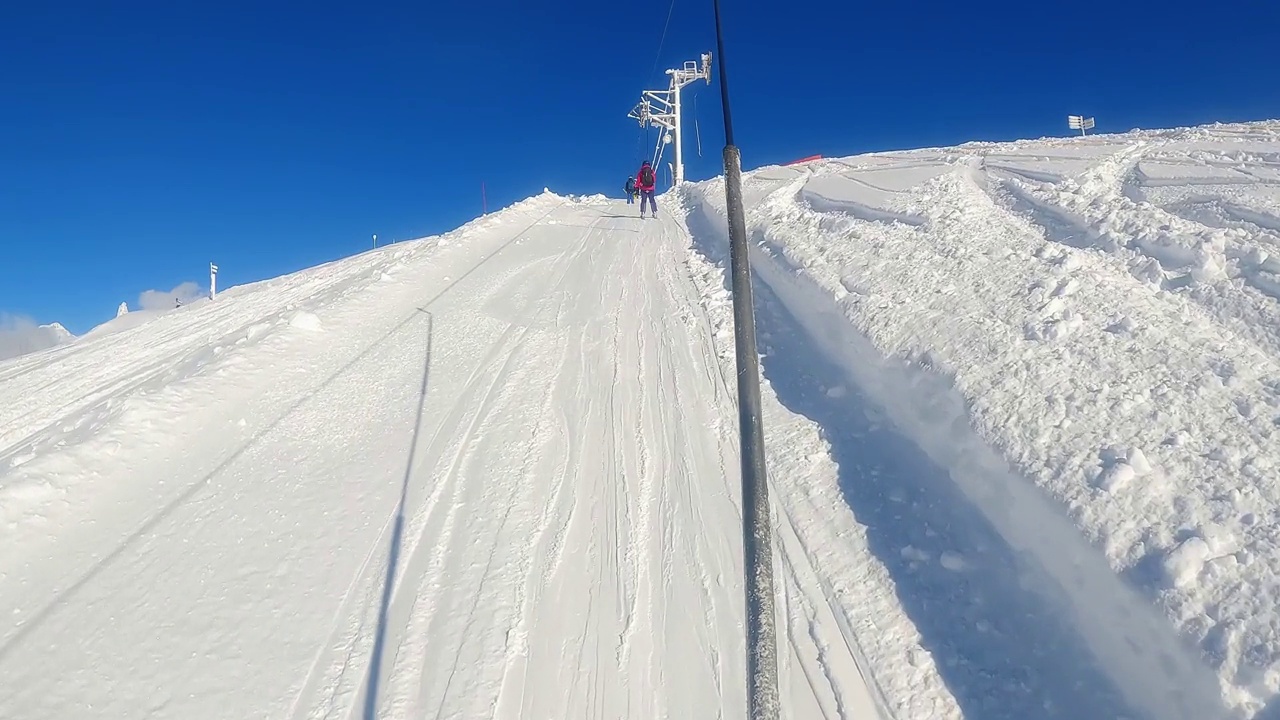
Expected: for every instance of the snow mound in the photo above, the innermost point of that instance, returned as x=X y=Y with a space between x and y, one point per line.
x=1108 y=309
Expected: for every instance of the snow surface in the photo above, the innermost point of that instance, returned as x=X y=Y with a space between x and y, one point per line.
x=1019 y=406
x=489 y=474
x=1082 y=335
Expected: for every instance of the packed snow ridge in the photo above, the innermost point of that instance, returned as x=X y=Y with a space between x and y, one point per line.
x=1019 y=401
x=1106 y=310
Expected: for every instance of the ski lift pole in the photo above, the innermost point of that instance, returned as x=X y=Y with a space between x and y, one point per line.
x=757 y=528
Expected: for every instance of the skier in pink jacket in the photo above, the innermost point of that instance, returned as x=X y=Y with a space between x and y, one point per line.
x=646 y=182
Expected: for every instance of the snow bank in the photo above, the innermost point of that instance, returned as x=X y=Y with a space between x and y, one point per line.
x=817 y=530
x=1118 y=354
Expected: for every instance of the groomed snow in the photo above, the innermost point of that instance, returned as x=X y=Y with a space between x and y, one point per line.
x=489 y=474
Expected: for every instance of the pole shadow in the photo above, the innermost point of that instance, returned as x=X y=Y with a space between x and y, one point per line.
x=397 y=537
x=1004 y=649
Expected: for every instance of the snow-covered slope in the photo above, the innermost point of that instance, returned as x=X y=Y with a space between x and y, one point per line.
x=1020 y=412
x=490 y=474
x=1083 y=329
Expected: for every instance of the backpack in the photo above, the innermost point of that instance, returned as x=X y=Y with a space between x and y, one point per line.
x=646 y=176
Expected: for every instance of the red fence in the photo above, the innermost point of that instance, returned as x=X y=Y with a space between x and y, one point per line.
x=811 y=158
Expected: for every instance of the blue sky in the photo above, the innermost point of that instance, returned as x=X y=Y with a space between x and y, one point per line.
x=140 y=140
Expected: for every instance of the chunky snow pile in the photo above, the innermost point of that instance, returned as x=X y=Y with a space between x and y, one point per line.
x=1103 y=315
x=596 y=199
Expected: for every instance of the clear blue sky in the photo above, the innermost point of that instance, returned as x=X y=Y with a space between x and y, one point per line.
x=140 y=140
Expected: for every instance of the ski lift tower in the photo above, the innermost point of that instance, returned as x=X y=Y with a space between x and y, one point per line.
x=661 y=108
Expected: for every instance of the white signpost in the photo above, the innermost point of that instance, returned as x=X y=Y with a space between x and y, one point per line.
x=1078 y=122
x=213 y=280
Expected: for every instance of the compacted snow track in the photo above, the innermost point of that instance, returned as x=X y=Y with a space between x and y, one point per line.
x=490 y=476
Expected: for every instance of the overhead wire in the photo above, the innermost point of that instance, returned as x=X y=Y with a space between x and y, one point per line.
x=696 y=132
x=661 y=41
x=657 y=58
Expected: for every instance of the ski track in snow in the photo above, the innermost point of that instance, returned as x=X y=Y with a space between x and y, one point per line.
x=1020 y=407
x=490 y=474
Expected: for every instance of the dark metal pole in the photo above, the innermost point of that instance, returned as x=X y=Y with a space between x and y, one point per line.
x=762 y=661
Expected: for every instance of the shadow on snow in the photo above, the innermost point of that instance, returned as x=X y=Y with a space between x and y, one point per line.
x=393 y=555
x=1003 y=651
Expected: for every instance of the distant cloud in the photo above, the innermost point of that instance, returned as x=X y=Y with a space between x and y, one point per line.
x=168 y=299
x=20 y=335
x=15 y=323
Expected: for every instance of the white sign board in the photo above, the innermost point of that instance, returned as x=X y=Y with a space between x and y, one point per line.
x=1079 y=122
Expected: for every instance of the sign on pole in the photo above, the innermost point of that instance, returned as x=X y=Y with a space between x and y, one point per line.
x=213 y=280
x=1079 y=122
